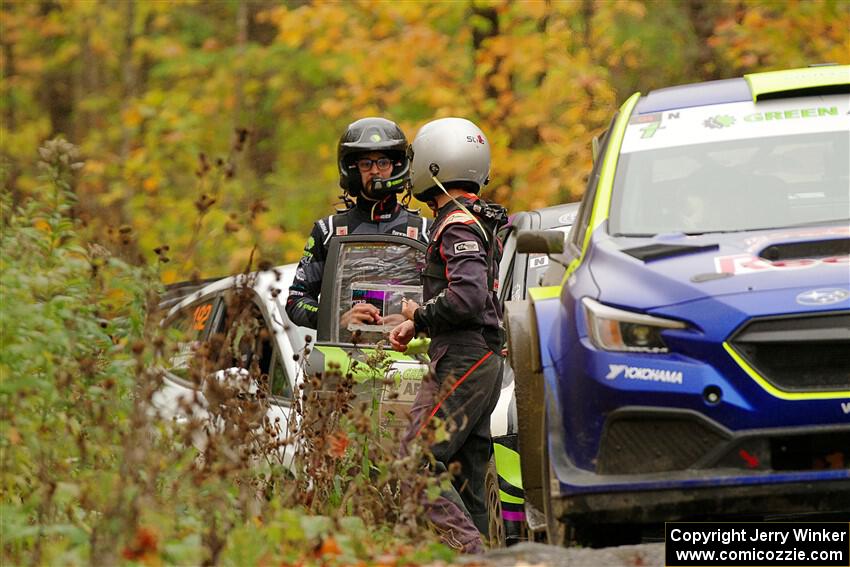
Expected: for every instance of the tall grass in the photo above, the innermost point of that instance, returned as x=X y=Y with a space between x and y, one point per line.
x=91 y=473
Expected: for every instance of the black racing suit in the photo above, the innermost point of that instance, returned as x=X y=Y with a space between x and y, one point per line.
x=388 y=217
x=462 y=315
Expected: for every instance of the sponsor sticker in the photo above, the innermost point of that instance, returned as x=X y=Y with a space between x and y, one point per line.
x=412 y=232
x=404 y=382
x=719 y=121
x=538 y=262
x=342 y=231
x=638 y=373
x=467 y=246
x=200 y=316
x=567 y=218
x=737 y=121
x=748 y=264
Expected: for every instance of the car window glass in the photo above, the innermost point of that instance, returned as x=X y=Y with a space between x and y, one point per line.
x=245 y=341
x=583 y=219
x=579 y=229
x=189 y=326
x=506 y=267
x=280 y=385
x=380 y=273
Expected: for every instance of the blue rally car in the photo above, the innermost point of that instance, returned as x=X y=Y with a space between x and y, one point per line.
x=695 y=360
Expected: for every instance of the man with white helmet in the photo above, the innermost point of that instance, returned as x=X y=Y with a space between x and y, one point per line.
x=450 y=164
x=374 y=169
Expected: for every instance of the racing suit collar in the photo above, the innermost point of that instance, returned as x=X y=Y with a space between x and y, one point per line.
x=377 y=211
x=467 y=199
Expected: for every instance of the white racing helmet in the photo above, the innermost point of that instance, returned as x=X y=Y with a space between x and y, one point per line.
x=455 y=151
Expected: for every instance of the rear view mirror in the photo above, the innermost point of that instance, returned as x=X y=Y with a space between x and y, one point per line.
x=540 y=242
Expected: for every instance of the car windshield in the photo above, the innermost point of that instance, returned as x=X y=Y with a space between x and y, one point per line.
x=734 y=167
x=733 y=185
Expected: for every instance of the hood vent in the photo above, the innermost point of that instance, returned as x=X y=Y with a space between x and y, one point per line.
x=801 y=250
x=660 y=251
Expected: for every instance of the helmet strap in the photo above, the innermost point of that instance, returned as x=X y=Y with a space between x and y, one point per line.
x=464 y=209
x=347 y=200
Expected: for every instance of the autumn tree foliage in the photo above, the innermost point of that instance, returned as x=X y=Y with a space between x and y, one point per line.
x=154 y=94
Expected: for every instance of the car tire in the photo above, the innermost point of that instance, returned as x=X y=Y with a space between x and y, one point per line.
x=556 y=530
x=496 y=526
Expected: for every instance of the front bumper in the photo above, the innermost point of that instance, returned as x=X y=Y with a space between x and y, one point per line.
x=647 y=506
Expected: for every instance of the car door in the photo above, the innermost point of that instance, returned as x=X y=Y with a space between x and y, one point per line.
x=381 y=270
x=225 y=334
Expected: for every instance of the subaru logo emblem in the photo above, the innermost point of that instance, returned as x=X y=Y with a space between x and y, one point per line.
x=822 y=296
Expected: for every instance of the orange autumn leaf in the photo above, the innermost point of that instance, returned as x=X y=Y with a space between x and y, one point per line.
x=337 y=444
x=144 y=545
x=329 y=547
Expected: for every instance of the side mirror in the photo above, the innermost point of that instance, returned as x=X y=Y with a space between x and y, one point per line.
x=540 y=242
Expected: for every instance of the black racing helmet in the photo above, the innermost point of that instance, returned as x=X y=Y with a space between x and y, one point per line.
x=373 y=134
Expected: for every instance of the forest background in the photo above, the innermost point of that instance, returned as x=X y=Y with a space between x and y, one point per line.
x=153 y=94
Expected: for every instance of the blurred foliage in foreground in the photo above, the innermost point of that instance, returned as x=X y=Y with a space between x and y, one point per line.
x=145 y=88
x=94 y=473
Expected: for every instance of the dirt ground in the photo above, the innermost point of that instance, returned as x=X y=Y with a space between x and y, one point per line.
x=538 y=554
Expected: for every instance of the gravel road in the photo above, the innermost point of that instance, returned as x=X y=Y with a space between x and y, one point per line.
x=534 y=554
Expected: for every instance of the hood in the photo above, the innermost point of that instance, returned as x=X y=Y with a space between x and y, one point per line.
x=649 y=273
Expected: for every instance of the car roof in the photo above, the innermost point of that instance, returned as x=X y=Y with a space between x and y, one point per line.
x=755 y=86
x=265 y=279
x=699 y=94
x=553 y=216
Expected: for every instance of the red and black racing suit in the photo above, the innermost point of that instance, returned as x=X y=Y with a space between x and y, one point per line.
x=388 y=217
x=462 y=315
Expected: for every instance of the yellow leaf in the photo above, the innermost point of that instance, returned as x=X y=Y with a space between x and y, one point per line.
x=150 y=184
x=169 y=276
x=132 y=117
x=13 y=436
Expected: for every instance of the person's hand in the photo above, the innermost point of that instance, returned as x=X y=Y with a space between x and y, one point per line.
x=394 y=319
x=401 y=335
x=408 y=308
x=360 y=314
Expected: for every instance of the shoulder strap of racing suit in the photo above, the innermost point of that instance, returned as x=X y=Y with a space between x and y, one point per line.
x=490 y=243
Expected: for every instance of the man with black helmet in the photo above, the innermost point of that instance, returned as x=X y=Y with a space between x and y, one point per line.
x=461 y=313
x=374 y=169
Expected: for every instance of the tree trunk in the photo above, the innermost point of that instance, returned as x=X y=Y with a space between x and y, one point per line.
x=13 y=171
x=701 y=15
x=57 y=92
x=128 y=72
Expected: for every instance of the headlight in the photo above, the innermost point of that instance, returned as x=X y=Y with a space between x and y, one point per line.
x=624 y=331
